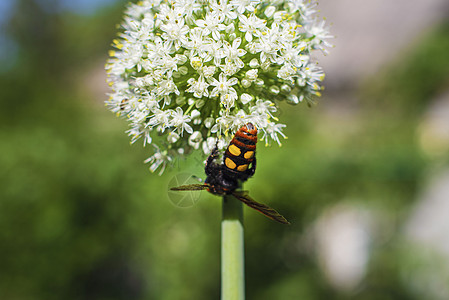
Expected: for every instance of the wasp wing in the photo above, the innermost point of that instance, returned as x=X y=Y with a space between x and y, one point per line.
x=190 y=187
x=265 y=209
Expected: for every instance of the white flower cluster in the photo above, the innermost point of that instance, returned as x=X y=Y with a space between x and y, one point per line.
x=188 y=72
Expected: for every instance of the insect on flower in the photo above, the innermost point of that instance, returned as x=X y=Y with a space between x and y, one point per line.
x=123 y=104
x=239 y=164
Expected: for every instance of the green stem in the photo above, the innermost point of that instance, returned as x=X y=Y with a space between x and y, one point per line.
x=232 y=256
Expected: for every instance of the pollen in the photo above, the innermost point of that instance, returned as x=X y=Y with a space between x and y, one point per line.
x=117 y=44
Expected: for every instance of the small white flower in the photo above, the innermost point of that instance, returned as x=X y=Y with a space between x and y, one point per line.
x=188 y=7
x=251 y=25
x=180 y=121
x=175 y=32
x=196 y=41
x=233 y=53
x=166 y=87
x=214 y=51
x=160 y=118
x=221 y=125
x=209 y=71
x=229 y=68
x=320 y=34
x=273 y=130
x=158 y=159
x=242 y=5
x=239 y=119
x=198 y=87
x=223 y=10
x=286 y=72
x=264 y=108
x=224 y=85
x=305 y=8
x=168 y=14
x=212 y=24
x=228 y=99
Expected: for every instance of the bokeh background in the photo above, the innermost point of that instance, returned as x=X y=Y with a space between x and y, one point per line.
x=363 y=177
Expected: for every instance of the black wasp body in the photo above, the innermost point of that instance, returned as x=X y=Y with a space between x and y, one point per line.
x=239 y=164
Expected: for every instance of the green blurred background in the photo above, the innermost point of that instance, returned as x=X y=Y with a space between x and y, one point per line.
x=363 y=177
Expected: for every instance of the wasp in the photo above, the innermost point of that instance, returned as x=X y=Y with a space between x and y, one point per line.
x=239 y=164
x=123 y=104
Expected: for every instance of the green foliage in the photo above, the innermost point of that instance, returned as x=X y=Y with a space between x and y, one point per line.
x=408 y=85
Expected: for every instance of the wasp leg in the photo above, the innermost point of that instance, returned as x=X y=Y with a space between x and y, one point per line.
x=211 y=166
x=214 y=152
x=250 y=172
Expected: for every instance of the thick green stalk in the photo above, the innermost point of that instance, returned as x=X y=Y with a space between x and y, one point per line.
x=232 y=250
